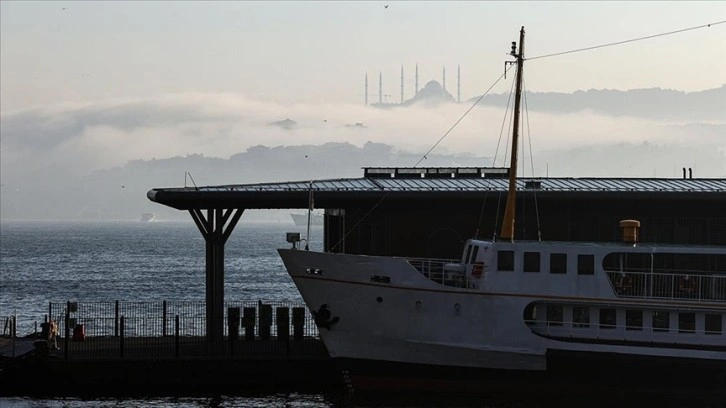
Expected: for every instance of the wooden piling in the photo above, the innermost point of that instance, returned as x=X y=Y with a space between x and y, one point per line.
x=298 y=323
x=248 y=320
x=265 y=321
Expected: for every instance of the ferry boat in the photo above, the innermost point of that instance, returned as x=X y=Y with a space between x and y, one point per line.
x=302 y=219
x=148 y=217
x=523 y=313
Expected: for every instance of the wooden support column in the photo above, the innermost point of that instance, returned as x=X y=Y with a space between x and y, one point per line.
x=216 y=228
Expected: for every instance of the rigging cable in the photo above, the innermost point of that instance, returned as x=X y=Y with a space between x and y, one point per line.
x=625 y=41
x=462 y=117
x=506 y=152
x=501 y=131
x=531 y=161
x=421 y=159
x=494 y=162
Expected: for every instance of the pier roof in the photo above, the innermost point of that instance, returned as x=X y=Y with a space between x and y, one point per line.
x=420 y=184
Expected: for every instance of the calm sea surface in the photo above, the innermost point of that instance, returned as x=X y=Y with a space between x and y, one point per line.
x=134 y=261
x=42 y=262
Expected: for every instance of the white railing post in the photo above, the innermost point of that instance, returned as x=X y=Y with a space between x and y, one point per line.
x=673 y=285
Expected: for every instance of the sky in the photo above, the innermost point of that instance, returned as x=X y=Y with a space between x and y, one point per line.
x=91 y=85
x=54 y=52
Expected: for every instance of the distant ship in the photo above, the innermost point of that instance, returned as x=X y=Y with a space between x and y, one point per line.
x=302 y=219
x=148 y=217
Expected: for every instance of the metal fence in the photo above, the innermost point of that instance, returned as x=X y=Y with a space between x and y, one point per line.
x=101 y=330
x=702 y=288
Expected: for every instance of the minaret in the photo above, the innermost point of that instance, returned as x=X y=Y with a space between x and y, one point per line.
x=444 y=79
x=401 y=83
x=458 y=83
x=380 y=87
x=366 y=89
x=416 y=91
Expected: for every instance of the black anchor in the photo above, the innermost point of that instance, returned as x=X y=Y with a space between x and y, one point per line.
x=322 y=317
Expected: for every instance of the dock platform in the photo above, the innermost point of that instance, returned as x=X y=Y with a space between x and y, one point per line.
x=161 y=348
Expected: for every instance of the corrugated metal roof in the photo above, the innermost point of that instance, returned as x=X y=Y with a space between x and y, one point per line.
x=479 y=184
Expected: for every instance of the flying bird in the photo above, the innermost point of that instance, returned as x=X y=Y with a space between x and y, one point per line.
x=385 y=6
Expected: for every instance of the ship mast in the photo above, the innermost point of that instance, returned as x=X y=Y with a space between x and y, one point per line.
x=510 y=211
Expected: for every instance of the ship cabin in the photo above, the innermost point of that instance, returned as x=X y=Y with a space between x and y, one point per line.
x=619 y=293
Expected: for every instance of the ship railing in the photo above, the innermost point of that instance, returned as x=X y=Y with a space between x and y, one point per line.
x=679 y=285
x=630 y=332
x=434 y=269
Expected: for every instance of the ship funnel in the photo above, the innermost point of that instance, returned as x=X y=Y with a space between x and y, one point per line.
x=630 y=230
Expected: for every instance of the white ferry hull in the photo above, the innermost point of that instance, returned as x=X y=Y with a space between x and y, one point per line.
x=419 y=324
x=413 y=332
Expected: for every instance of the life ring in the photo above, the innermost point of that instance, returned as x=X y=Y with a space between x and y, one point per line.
x=623 y=283
x=477 y=269
x=688 y=284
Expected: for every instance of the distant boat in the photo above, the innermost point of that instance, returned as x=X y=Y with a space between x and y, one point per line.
x=148 y=217
x=302 y=219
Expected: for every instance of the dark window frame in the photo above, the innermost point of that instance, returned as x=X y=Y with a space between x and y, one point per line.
x=580 y=316
x=529 y=264
x=586 y=264
x=503 y=264
x=552 y=316
x=474 y=254
x=713 y=323
x=686 y=322
x=665 y=317
x=608 y=318
x=633 y=319
x=558 y=263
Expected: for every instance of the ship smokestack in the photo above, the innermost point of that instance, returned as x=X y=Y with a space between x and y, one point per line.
x=630 y=230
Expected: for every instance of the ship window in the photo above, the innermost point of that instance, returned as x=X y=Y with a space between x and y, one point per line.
x=468 y=255
x=686 y=322
x=554 y=315
x=607 y=318
x=580 y=316
x=713 y=324
x=530 y=314
x=627 y=262
x=531 y=261
x=558 y=263
x=505 y=260
x=585 y=264
x=473 y=254
x=661 y=321
x=633 y=320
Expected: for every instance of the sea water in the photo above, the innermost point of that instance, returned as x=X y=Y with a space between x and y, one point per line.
x=42 y=262
x=61 y=261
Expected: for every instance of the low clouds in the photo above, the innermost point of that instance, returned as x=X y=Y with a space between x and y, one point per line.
x=60 y=144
